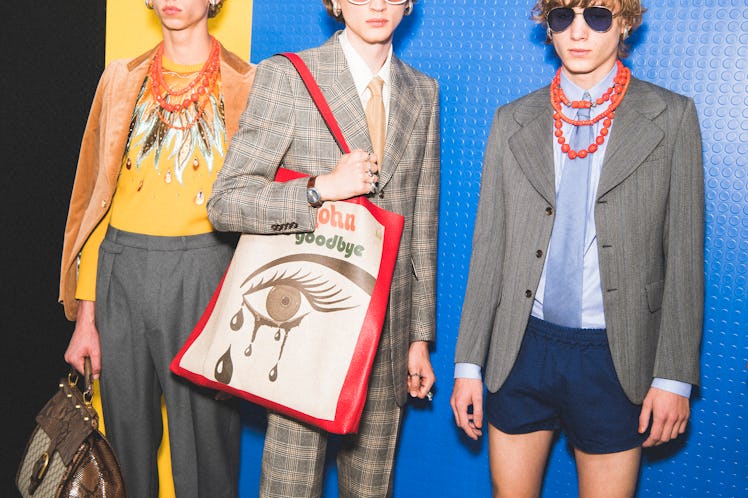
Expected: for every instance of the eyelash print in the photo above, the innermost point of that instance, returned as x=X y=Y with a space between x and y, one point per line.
x=282 y=303
x=309 y=285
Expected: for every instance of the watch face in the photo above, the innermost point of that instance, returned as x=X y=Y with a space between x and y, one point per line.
x=312 y=196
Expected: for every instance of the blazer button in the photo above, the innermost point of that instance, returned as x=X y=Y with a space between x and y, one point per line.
x=549 y=210
x=528 y=293
x=538 y=253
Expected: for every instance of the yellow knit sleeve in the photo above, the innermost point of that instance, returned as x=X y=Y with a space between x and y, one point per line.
x=85 y=289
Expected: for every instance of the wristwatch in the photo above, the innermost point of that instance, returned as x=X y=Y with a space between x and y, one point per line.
x=312 y=194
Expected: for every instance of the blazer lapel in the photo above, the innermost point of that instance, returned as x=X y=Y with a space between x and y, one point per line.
x=404 y=110
x=119 y=116
x=335 y=80
x=633 y=137
x=529 y=144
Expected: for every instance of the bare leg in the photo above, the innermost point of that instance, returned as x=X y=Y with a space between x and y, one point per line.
x=612 y=475
x=517 y=462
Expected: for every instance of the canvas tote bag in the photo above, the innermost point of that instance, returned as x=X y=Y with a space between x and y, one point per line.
x=295 y=323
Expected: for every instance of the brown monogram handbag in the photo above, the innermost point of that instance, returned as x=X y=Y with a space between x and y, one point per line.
x=67 y=455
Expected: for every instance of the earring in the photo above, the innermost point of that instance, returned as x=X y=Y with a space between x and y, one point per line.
x=149 y=4
x=409 y=8
x=625 y=33
x=549 y=33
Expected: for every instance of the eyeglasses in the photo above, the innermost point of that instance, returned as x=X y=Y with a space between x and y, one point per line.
x=364 y=2
x=597 y=18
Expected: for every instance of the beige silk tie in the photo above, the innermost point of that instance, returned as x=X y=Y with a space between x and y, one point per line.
x=375 y=117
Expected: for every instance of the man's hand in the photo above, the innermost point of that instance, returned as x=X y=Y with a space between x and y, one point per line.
x=85 y=340
x=669 y=414
x=466 y=393
x=420 y=373
x=353 y=175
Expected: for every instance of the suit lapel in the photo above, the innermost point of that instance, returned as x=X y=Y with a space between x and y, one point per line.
x=529 y=144
x=335 y=80
x=404 y=110
x=633 y=137
x=119 y=116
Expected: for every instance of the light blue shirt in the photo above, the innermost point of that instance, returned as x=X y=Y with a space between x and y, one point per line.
x=593 y=313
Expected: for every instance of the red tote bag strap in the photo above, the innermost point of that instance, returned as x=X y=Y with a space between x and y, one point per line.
x=318 y=98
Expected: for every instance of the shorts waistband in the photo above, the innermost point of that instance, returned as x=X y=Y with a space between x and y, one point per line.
x=548 y=330
x=166 y=243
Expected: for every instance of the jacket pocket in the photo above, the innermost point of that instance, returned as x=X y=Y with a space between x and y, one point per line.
x=654 y=293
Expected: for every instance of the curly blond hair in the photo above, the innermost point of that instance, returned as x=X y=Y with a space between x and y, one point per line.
x=630 y=12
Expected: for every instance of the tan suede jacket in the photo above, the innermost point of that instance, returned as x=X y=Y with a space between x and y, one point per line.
x=104 y=143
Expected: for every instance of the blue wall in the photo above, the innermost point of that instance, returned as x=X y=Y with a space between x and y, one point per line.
x=487 y=53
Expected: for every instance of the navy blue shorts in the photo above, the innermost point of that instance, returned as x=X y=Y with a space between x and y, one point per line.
x=564 y=378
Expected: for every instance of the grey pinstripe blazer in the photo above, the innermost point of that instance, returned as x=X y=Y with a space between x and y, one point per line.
x=281 y=126
x=649 y=216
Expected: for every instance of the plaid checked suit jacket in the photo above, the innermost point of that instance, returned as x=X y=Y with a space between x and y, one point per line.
x=282 y=127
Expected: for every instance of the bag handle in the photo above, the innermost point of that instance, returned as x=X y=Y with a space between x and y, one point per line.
x=88 y=384
x=318 y=98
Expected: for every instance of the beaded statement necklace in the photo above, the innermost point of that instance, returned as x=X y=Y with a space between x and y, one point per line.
x=614 y=95
x=194 y=95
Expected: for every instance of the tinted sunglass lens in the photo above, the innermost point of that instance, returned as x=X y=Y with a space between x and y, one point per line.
x=560 y=18
x=598 y=18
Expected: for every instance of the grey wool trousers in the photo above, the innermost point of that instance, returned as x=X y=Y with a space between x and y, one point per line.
x=150 y=293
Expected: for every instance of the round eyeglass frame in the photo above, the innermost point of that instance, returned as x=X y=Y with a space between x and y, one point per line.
x=585 y=13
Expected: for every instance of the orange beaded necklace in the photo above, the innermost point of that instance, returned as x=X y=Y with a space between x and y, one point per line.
x=195 y=93
x=614 y=95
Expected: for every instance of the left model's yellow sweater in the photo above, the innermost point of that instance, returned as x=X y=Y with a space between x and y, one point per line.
x=167 y=173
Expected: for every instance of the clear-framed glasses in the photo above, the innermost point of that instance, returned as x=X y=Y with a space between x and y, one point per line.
x=364 y=2
x=597 y=18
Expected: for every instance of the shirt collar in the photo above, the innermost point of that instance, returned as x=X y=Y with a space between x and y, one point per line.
x=574 y=92
x=361 y=73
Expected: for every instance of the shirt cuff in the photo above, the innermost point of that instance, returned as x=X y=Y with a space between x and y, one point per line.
x=673 y=386
x=467 y=371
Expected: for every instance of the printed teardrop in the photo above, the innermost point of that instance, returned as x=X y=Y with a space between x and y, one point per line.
x=248 y=351
x=237 y=320
x=273 y=373
x=224 y=368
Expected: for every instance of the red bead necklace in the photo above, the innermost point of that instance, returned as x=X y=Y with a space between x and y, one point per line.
x=614 y=95
x=196 y=92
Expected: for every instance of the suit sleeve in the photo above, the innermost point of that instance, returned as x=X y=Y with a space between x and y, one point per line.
x=484 y=279
x=245 y=198
x=677 y=355
x=424 y=241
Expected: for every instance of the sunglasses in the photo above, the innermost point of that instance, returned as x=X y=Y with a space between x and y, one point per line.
x=597 y=18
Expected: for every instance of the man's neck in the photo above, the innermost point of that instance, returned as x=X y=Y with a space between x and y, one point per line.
x=188 y=46
x=373 y=54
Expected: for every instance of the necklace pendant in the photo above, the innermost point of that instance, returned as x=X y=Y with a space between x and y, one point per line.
x=195 y=164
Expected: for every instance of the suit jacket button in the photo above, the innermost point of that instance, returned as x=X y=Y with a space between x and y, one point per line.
x=528 y=293
x=538 y=253
x=549 y=210
x=274 y=228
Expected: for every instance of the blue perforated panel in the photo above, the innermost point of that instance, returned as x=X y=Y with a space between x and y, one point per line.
x=484 y=54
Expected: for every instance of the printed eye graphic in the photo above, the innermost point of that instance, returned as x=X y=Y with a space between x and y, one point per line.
x=281 y=298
